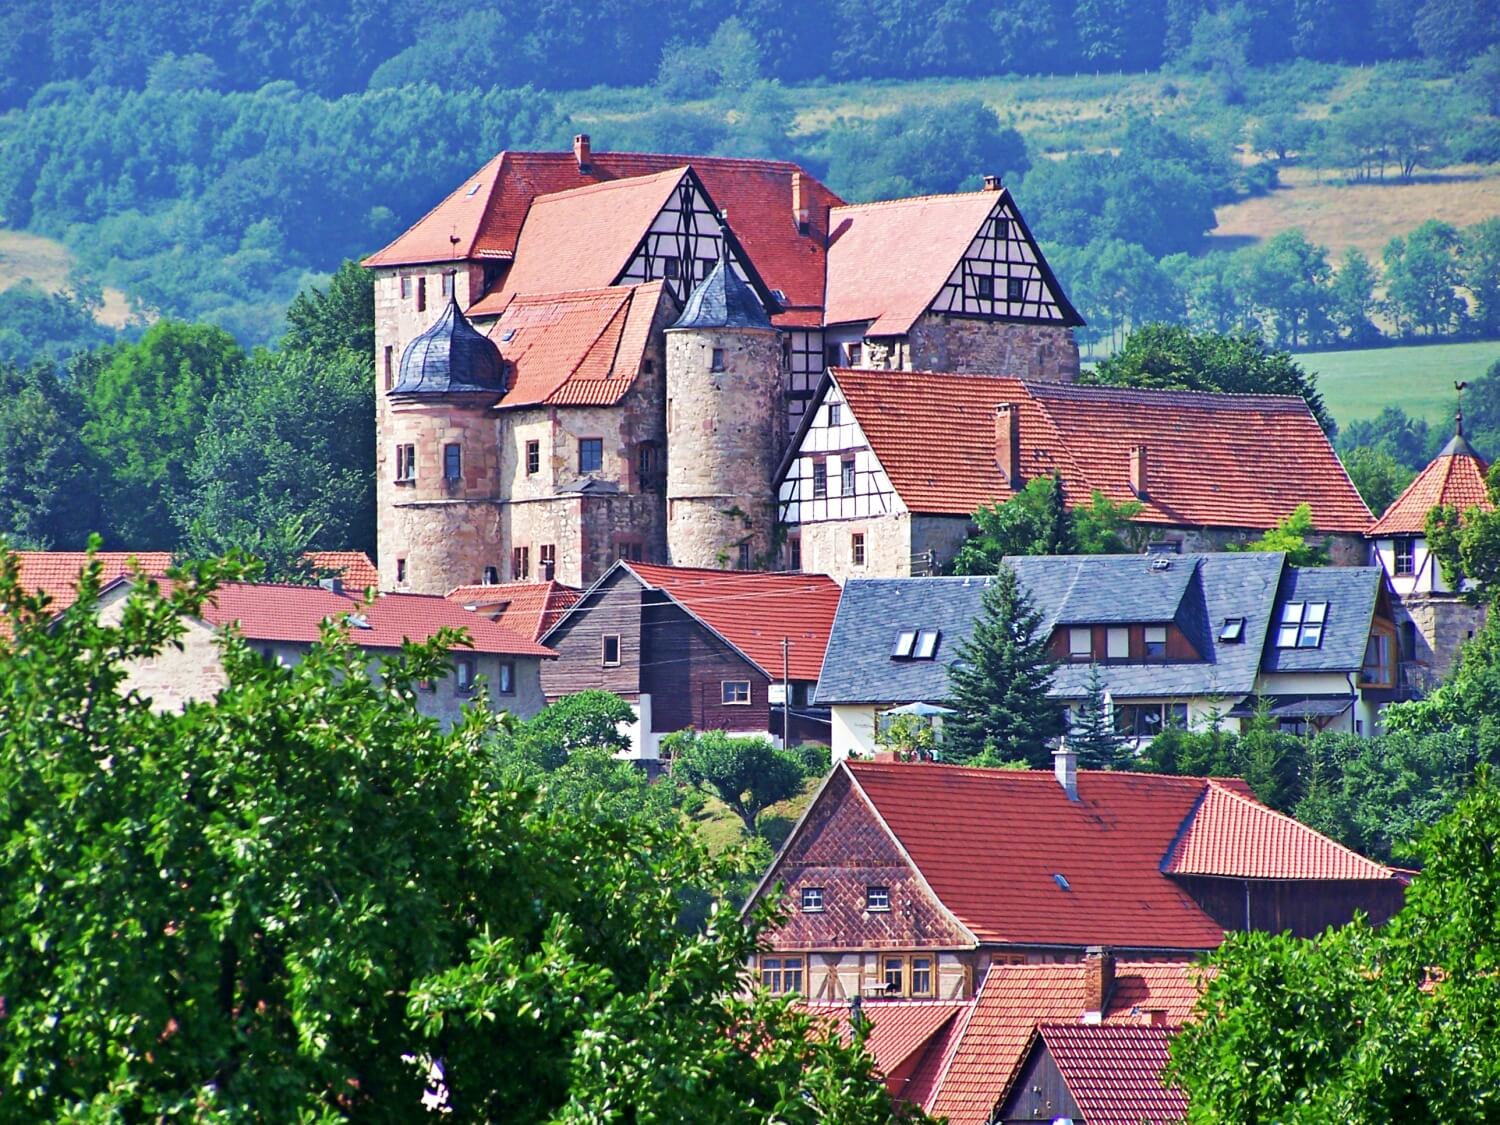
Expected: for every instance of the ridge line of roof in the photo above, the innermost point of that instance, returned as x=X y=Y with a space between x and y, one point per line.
x=498 y=159
x=931 y=197
x=600 y=186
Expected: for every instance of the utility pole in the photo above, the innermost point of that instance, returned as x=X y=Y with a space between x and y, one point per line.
x=786 y=693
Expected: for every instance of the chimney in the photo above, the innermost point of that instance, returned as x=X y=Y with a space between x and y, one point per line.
x=1065 y=767
x=1008 y=443
x=581 y=153
x=992 y=183
x=1098 y=981
x=1138 y=471
x=799 y=204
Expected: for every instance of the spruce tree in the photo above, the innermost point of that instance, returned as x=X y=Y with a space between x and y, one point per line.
x=999 y=683
x=1093 y=734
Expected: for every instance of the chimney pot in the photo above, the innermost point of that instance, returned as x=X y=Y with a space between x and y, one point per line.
x=799 y=204
x=1008 y=443
x=1065 y=768
x=1138 y=471
x=1098 y=981
x=581 y=152
x=992 y=183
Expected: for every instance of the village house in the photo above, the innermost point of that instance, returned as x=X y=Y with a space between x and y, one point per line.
x=1177 y=640
x=1435 y=617
x=699 y=649
x=589 y=357
x=916 y=880
x=884 y=474
x=283 y=622
x=527 y=608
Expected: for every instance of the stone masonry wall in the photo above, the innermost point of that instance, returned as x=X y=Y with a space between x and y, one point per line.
x=1442 y=623
x=1043 y=352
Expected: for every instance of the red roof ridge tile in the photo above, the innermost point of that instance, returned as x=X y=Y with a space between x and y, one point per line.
x=624 y=183
x=936 y=196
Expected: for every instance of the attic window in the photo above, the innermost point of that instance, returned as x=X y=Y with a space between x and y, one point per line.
x=984 y=287
x=1302 y=625
x=472 y=191
x=1062 y=882
x=508 y=335
x=1233 y=630
x=905 y=641
x=927 y=641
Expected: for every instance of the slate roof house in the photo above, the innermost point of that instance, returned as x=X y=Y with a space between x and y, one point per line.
x=1185 y=639
x=699 y=649
x=282 y=622
x=883 y=475
x=917 y=880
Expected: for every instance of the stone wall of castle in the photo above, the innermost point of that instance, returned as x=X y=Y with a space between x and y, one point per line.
x=1441 y=623
x=1043 y=352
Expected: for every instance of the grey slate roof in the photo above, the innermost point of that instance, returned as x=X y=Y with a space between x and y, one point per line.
x=723 y=300
x=450 y=357
x=1351 y=593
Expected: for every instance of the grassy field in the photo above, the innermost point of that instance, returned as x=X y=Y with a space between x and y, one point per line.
x=1418 y=379
x=47 y=263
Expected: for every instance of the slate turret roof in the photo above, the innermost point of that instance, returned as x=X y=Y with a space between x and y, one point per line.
x=450 y=357
x=723 y=300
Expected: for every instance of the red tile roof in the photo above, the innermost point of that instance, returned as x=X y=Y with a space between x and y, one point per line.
x=295 y=614
x=756 y=195
x=888 y=261
x=527 y=608
x=899 y=1031
x=353 y=568
x=1231 y=834
x=1454 y=477
x=1114 y=1072
x=575 y=349
x=1237 y=461
x=1015 y=999
x=754 y=611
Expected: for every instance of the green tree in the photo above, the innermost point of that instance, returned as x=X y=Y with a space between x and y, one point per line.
x=1220 y=48
x=1173 y=357
x=747 y=774
x=1483 y=78
x=1422 y=276
x=1352 y=302
x=286 y=903
x=584 y=720
x=1092 y=730
x=1032 y=522
x=1289 y=279
x=1377 y=475
x=1409 y=441
x=47 y=489
x=144 y=411
x=1104 y=527
x=998 y=684
x=1294 y=535
x=340 y=317
x=1480 y=270
x=1467 y=543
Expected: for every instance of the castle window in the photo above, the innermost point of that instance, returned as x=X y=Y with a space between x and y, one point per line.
x=447 y=283
x=1081 y=644
x=744 y=559
x=984 y=287
x=717 y=363
x=645 y=463
x=421 y=294
x=520 y=563
x=406 y=286
x=546 y=565
x=591 y=455
x=400 y=571
x=609 y=650
x=630 y=550
x=812 y=900
x=390 y=367
x=491 y=575
x=1156 y=642
x=820 y=480
x=1015 y=289
x=463 y=675
x=506 y=684
x=1406 y=556
x=794 y=553
x=781 y=975
x=453 y=463
x=877 y=898
x=533 y=458
x=857 y=548
x=406 y=463
x=846 y=477
x=735 y=693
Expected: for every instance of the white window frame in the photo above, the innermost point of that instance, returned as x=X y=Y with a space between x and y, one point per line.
x=1117 y=643
x=1080 y=643
x=877 y=898
x=812 y=900
x=729 y=693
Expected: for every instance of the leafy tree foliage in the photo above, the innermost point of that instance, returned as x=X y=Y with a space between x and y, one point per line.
x=1408 y=441
x=585 y=720
x=1377 y=475
x=1294 y=534
x=324 y=322
x=998 y=685
x=47 y=493
x=1351 y=298
x=1480 y=271
x=291 y=901
x=1467 y=543
x=1289 y=278
x=37 y=325
x=1037 y=521
x=1091 y=732
x=1422 y=275
x=747 y=774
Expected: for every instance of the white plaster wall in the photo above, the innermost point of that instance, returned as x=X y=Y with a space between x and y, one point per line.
x=853 y=730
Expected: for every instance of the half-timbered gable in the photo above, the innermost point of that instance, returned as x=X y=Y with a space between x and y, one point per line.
x=832 y=473
x=1003 y=275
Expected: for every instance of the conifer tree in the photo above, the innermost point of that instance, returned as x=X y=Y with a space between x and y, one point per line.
x=1093 y=734
x=999 y=683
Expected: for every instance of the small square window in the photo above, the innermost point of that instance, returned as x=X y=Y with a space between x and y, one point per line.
x=812 y=900
x=463 y=675
x=735 y=693
x=1117 y=642
x=1080 y=644
x=984 y=287
x=846 y=477
x=610 y=650
x=1233 y=630
x=533 y=458
x=877 y=898
x=506 y=684
x=854 y=353
x=630 y=550
x=906 y=640
x=1406 y=556
x=591 y=455
x=491 y=575
x=820 y=480
x=1302 y=625
x=406 y=463
x=1015 y=289
x=857 y=548
x=835 y=413
x=671 y=268
x=1156 y=642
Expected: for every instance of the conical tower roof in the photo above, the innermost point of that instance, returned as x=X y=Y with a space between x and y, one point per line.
x=723 y=300
x=451 y=356
x=1455 y=477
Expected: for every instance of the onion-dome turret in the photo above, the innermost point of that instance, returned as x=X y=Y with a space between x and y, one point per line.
x=450 y=357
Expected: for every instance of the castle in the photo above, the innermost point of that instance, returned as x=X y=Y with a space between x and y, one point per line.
x=589 y=357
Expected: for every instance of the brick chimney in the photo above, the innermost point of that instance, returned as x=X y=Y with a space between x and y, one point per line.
x=1065 y=767
x=1138 y=471
x=799 y=204
x=1098 y=981
x=581 y=153
x=992 y=183
x=1008 y=443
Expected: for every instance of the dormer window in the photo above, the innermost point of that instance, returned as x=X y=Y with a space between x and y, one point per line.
x=1302 y=625
x=1232 y=632
x=1156 y=642
x=1081 y=644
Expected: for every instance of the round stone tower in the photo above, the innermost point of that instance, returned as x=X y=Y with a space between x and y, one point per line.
x=438 y=462
x=726 y=426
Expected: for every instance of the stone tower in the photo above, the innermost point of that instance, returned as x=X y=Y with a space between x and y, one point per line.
x=726 y=426
x=439 y=523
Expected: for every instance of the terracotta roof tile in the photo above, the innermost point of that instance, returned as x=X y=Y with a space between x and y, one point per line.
x=1231 y=834
x=353 y=568
x=1015 y=999
x=1454 y=477
x=55 y=573
x=527 y=608
x=1238 y=461
x=754 y=611
x=1114 y=1072
x=899 y=1031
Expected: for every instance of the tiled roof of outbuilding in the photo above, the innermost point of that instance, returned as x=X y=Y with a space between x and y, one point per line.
x=1235 y=461
x=1114 y=1072
x=898 y=1029
x=527 y=608
x=1454 y=477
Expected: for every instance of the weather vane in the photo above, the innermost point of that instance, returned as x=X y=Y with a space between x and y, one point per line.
x=1458 y=418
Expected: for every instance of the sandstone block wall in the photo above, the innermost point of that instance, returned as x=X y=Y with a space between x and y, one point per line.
x=1044 y=352
x=1441 y=624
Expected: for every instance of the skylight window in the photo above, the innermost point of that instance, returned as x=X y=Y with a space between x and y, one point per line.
x=472 y=190
x=916 y=644
x=508 y=335
x=1302 y=625
x=1062 y=882
x=906 y=640
x=927 y=641
x=1233 y=630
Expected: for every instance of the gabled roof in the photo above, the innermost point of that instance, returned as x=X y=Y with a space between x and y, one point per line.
x=1351 y=594
x=902 y=1034
x=753 y=611
x=1114 y=1072
x=527 y=608
x=353 y=568
x=575 y=349
x=483 y=216
x=295 y=615
x=1455 y=477
x=1213 y=460
x=1015 y=999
